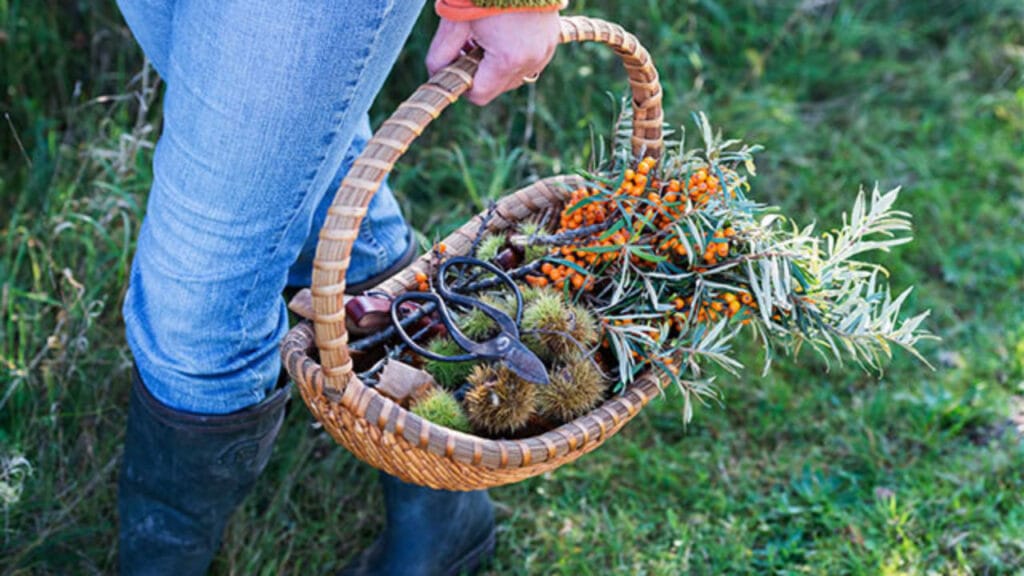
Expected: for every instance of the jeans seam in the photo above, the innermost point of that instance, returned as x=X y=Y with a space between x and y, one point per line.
x=346 y=111
x=368 y=235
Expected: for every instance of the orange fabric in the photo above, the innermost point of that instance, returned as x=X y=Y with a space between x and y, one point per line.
x=465 y=10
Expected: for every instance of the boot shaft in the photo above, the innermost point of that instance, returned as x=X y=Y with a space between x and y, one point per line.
x=183 y=475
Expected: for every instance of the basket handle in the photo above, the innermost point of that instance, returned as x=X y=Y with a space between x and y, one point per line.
x=393 y=138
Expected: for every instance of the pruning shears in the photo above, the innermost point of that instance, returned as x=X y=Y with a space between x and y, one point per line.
x=506 y=346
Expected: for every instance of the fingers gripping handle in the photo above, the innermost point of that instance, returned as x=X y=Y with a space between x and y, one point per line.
x=392 y=140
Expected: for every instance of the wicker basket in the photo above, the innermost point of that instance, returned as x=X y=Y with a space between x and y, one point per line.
x=379 y=431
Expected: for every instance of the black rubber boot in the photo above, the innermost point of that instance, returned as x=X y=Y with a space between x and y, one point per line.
x=429 y=533
x=183 y=475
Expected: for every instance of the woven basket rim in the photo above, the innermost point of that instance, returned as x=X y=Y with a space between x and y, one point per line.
x=575 y=434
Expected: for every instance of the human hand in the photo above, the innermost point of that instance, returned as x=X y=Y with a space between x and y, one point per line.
x=517 y=45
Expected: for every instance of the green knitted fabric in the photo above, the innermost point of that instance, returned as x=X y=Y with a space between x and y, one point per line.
x=516 y=3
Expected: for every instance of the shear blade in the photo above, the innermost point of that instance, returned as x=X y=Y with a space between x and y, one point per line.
x=528 y=366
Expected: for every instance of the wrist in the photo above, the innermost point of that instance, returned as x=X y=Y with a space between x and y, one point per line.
x=466 y=10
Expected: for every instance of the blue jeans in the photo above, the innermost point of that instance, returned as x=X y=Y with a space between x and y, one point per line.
x=264 y=112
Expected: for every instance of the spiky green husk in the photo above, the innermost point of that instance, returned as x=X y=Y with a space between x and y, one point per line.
x=531 y=294
x=479 y=326
x=442 y=409
x=558 y=328
x=450 y=375
x=584 y=326
x=543 y=319
x=532 y=251
x=499 y=402
x=576 y=387
x=490 y=246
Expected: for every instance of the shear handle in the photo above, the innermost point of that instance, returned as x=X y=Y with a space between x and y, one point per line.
x=442 y=311
x=509 y=326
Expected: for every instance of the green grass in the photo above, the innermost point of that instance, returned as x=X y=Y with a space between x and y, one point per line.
x=804 y=471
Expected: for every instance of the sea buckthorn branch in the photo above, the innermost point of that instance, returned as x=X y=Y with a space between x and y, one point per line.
x=693 y=261
x=385 y=335
x=481 y=232
x=563 y=238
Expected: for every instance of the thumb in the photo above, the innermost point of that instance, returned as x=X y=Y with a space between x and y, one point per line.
x=446 y=45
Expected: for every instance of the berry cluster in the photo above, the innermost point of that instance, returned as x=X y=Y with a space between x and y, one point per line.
x=726 y=304
x=641 y=212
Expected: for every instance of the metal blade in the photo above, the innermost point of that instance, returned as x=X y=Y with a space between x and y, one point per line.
x=526 y=365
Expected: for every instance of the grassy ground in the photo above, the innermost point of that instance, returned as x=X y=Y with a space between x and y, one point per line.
x=803 y=471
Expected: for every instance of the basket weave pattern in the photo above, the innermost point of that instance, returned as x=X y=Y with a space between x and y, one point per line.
x=374 y=428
